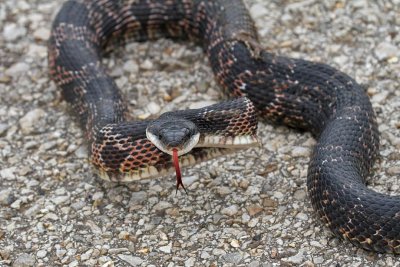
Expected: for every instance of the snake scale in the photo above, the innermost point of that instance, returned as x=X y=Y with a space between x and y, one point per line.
x=294 y=92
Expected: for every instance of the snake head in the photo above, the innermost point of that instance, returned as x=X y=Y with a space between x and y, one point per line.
x=174 y=136
x=171 y=133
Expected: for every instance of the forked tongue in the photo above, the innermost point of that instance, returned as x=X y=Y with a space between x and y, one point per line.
x=177 y=170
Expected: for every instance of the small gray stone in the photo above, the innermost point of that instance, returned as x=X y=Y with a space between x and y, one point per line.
x=204 y=255
x=60 y=253
x=153 y=108
x=12 y=32
x=17 y=69
x=299 y=151
x=234 y=258
x=386 y=50
x=30 y=119
x=300 y=194
x=393 y=170
x=41 y=34
x=138 y=197
x=166 y=249
x=8 y=173
x=41 y=253
x=380 y=97
x=32 y=211
x=24 y=260
x=254 y=264
x=131 y=66
x=131 y=260
x=3 y=128
x=98 y=196
x=6 y=197
x=78 y=205
x=302 y=216
x=60 y=199
x=318 y=260
x=16 y=204
x=278 y=195
x=190 y=262
x=162 y=205
x=230 y=211
x=188 y=180
x=224 y=190
x=147 y=65
x=258 y=10
x=296 y=259
x=81 y=152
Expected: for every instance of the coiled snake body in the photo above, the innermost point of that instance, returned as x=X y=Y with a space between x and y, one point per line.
x=294 y=92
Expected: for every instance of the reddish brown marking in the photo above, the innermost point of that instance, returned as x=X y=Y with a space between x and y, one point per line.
x=177 y=170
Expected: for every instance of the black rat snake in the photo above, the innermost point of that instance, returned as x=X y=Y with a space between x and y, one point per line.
x=294 y=92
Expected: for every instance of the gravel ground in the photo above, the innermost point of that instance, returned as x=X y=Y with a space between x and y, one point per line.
x=248 y=209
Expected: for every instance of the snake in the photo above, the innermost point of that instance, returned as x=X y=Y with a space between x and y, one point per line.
x=260 y=85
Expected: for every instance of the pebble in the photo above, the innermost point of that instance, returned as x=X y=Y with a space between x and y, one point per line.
x=302 y=216
x=188 y=180
x=230 y=211
x=166 y=249
x=300 y=194
x=147 y=65
x=235 y=243
x=60 y=253
x=3 y=128
x=24 y=260
x=386 y=50
x=279 y=195
x=28 y=122
x=153 y=108
x=8 y=173
x=258 y=10
x=17 y=69
x=254 y=209
x=205 y=255
x=60 y=199
x=296 y=259
x=6 y=197
x=138 y=197
x=12 y=32
x=254 y=264
x=380 y=97
x=301 y=151
x=318 y=260
x=162 y=205
x=41 y=254
x=395 y=170
x=190 y=262
x=131 y=260
x=224 y=190
x=81 y=152
x=41 y=34
x=131 y=66
x=218 y=252
x=234 y=258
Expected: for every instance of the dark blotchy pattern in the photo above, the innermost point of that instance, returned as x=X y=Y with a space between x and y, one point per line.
x=294 y=92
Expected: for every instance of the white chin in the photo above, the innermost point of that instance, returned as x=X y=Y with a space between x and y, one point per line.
x=189 y=146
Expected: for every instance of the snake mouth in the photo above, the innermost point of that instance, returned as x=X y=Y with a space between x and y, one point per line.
x=169 y=148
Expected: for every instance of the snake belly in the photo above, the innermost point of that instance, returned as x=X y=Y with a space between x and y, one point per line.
x=294 y=92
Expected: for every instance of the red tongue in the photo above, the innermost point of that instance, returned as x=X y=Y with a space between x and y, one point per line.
x=177 y=170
